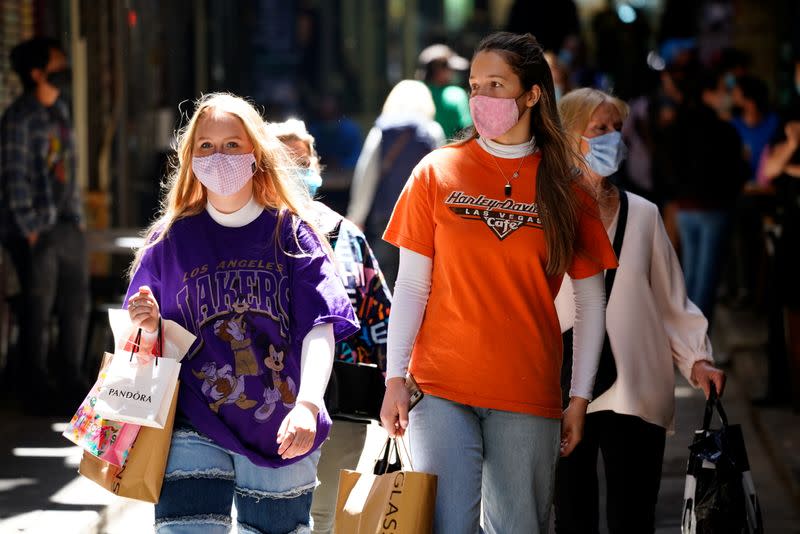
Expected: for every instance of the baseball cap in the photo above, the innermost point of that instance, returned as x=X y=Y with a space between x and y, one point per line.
x=442 y=52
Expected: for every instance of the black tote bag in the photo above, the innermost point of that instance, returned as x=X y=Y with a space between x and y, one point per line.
x=719 y=495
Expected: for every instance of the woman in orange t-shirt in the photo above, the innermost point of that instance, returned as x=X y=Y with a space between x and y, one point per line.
x=486 y=229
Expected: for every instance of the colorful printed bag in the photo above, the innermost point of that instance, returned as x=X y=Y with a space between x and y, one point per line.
x=108 y=440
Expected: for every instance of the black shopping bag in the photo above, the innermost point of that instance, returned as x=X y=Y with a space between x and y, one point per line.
x=719 y=495
x=355 y=392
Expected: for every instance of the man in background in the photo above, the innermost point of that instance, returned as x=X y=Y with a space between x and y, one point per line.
x=438 y=65
x=43 y=229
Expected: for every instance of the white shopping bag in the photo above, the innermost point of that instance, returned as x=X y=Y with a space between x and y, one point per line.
x=138 y=389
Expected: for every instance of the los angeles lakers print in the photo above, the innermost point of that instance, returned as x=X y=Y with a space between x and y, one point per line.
x=503 y=217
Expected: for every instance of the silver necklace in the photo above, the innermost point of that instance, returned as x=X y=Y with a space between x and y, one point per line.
x=507 y=188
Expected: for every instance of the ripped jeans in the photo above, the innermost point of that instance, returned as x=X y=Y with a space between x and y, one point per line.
x=202 y=480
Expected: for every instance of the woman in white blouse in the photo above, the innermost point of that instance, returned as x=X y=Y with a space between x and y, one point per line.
x=651 y=324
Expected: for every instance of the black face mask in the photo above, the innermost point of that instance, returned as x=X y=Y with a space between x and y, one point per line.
x=61 y=79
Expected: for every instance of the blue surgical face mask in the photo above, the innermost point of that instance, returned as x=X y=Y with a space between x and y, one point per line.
x=310 y=178
x=606 y=152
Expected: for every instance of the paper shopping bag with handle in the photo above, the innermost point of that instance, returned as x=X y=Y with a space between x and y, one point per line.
x=143 y=474
x=391 y=499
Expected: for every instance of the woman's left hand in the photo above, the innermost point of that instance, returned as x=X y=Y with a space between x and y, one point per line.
x=298 y=430
x=572 y=424
x=704 y=374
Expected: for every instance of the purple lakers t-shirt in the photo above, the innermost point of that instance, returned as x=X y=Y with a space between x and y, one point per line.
x=250 y=302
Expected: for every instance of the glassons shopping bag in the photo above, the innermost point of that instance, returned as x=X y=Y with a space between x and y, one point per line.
x=391 y=499
x=143 y=474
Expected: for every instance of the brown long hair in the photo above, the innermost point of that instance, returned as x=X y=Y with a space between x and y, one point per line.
x=273 y=186
x=558 y=205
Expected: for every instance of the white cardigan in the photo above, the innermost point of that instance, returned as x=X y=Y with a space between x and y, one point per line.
x=650 y=320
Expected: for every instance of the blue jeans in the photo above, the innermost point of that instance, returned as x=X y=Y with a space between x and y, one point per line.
x=703 y=235
x=202 y=480
x=504 y=460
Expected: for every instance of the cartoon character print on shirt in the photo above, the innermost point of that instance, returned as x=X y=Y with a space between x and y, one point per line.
x=222 y=387
x=237 y=307
x=234 y=330
x=503 y=217
x=282 y=390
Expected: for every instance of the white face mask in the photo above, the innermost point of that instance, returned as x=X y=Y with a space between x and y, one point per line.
x=224 y=174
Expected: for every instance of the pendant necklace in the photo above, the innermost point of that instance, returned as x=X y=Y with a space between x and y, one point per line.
x=507 y=188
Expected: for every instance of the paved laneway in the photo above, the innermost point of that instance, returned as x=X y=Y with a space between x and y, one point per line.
x=40 y=491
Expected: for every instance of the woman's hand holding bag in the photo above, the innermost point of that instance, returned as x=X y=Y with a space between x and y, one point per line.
x=394 y=412
x=143 y=310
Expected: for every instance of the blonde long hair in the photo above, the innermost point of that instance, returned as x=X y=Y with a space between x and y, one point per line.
x=295 y=130
x=410 y=97
x=273 y=186
x=557 y=201
x=577 y=107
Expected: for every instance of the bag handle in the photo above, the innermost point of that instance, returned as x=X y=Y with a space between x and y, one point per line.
x=711 y=402
x=619 y=237
x=137 y=342
x=382 y=464
x=395 y=149
x=405 y=451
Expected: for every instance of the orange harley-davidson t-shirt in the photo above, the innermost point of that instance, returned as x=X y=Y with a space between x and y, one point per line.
x=490 y=336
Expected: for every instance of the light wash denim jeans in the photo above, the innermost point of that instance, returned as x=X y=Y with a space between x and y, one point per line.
x=202 y=480
x=703 y=238
x=505 y=460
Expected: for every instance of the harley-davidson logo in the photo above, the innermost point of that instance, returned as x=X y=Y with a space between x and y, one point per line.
x=503 y=217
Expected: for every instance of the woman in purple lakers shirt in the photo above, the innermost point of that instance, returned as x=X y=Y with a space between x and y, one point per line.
x=234 y=259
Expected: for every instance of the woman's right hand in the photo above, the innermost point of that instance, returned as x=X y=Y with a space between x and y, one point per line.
x=143 y=310
x=394 y=411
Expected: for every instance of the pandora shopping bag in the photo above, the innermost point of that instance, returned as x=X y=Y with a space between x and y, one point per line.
x=138 y=389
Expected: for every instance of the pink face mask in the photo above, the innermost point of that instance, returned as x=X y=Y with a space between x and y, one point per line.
x=224 y=174
x=493 y=116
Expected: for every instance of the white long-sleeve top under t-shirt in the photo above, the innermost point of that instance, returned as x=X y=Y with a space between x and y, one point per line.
x=316 y=355
x=651 y=322
x=413 y=285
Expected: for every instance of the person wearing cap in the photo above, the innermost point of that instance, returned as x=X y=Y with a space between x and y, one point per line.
x=438 y=63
